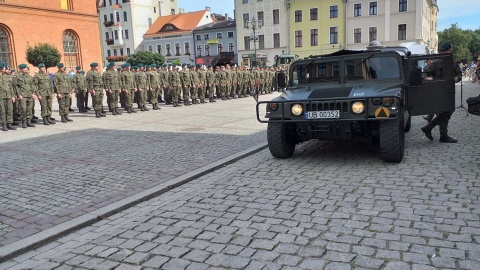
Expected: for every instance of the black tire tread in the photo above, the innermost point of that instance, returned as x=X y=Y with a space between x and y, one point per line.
x=279 y=144
x=392 y=140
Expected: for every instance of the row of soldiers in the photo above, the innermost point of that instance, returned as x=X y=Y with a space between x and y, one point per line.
x=125 y=85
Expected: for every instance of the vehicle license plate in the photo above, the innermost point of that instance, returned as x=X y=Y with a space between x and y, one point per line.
x=322 y=114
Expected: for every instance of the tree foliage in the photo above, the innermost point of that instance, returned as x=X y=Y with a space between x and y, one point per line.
x=466 y=43
x=43 y=53
x=177 y=62
x=146 y=58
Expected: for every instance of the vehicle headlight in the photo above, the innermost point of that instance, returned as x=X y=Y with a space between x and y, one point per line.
x=387 y=102
x=297 y=109
x=358 y=107
x=273 y=106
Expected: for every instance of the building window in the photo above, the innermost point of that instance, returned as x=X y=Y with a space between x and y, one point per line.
x=199 y=50
x=333 y=11
x=110 y=2
x=187 y=48
x=121 y=51
x=219 y=47
x=107 y=35
x=373 y=8
x=154 y=10
x=66 y=4
x=115 y=34
x=298 y=38
x=402 y=32
x=6 y=55
x=244 y=1
x=177 y=49
x=111 y=17
x=246 y=43
x=219 y=35
x=117 y=16
x=206 y=36
x=159 y=49
x=128 y=51
x=276 y=40
x=71 y=55
x=125 y=17
x=168 y=49
x=372 y=34
x=357 y=10
x=402 y=5
x=105 y=18
x=230 y=34
x=313 y=14
x=198 y=37
x=276 y=16
x=126 y=33
x=298 y=15
x=313 y=37
x=357 y=35
x=260 y=18
x=333 y=35
x=207 y=50
x=115 y=52
x=122 y=34
x=261 y=42
x=172 y=11
x=230 y=47
x=246 y=19
x=109 y=53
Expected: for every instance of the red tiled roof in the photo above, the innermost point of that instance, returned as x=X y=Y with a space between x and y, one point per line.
x=183 y=21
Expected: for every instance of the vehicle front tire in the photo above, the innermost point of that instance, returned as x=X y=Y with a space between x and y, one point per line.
x=392 y=139
x=408 y=125
x=281 y=139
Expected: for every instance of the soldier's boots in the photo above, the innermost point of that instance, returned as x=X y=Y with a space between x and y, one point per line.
x=447 y=139
x=51 y=120
x=29 y=123
x=145 y=108
x=102 y=113
x=10 y=127
x=68 y=119
x=155 y=107
x=429 y=117
x=4 y=127
x=114 y=111
x=118 y=111
x=202 y=101
x=63 y=119
x=45 y=121
x=24 y=123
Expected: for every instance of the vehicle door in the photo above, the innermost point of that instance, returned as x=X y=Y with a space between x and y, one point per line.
x=436 y=92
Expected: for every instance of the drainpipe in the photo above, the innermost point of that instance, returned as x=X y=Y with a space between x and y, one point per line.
x=287 y=7
x=345 y=25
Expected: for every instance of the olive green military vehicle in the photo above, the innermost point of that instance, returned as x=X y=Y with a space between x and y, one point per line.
x=348 y=94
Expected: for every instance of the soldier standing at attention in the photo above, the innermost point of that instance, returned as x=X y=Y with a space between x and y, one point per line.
x=127 y=81
x=175 y=85
x=80 y=85
x=95 y=86
x=154 y=85
x=141 y=82
x=111 y=80
x=45 y=95
x=164 y=84
x=210 y=82
x=186 y=81
x=23 y=85
x=7 y=96
x=63 y=88
x=195 y=85
x=202 y=87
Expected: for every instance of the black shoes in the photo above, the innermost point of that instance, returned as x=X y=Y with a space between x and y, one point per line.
x=428 y=133
x=447 y=139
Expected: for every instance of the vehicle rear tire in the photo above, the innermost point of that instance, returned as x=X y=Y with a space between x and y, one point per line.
x=281 y=139
x=392 y=139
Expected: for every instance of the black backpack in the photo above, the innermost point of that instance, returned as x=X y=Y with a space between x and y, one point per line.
x=474 y=105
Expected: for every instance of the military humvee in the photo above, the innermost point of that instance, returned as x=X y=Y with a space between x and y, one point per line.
x=347 y=94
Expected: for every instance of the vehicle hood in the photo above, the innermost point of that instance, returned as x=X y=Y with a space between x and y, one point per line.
x=343 y=90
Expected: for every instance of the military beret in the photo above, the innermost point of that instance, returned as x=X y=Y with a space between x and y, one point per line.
x=2 y=65
x=21 y=66
x=41 y=65
x=78 y=67
x=127 y=64
x=94 y=64
x=60 y=65
x=118 y=69
x=445 y=46
x=82 y=72
x=164 y=65
x=110 y=65
x=12 y=70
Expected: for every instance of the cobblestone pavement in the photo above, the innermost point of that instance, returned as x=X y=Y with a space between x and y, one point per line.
x=52 y=174
x=333 y=205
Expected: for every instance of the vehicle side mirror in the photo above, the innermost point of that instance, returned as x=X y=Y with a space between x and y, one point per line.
x=415 y=77
x=281 y=79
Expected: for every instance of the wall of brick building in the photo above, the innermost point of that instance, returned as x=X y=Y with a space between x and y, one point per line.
x=39 y=21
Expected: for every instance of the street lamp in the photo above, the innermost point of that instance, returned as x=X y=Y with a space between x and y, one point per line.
x=254 y=25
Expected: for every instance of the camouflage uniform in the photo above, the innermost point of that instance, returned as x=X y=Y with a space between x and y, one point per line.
x=63 y=88
x=95 y=84
x=80 y=83
x=175 y=82
x=44 y=90
x=142 y=81
x=111 y=79
x=127 y=82
x=186 y=81
x=23 y=85
x=7 y=95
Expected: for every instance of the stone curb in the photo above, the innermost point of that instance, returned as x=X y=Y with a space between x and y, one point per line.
x=17 y=248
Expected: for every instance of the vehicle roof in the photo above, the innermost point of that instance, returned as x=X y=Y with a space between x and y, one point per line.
x=403 y=51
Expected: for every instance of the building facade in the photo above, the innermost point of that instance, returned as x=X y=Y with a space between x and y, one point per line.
x=70 y=25
x=267 y=37
x=123 y=23
x=392 y=22
x=316 y=27
x=172 y=36
x=213 y=38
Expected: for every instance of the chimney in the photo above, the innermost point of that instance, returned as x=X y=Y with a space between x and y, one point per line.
x=226 y=16
x=208 y=8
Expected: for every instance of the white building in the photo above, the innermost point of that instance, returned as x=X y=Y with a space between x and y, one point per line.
x=271 y=31
x=123 y=23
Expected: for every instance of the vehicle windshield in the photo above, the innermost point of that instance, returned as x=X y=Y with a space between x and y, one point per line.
x=369 y=67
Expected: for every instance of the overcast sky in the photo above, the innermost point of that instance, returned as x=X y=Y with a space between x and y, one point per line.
x=462 y=12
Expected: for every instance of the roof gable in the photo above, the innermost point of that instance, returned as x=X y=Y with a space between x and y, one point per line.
x=177 y=22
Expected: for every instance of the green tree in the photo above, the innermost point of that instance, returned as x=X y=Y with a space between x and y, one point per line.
x=146 y=58
x=460 y=40
x=474 y=45
x=43 y=53
x=177 y=62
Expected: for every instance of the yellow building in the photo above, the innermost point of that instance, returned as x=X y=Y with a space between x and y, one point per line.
x=316 y=27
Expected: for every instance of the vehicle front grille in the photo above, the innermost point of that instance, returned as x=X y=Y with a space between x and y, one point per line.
x=328 y=106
